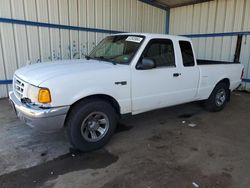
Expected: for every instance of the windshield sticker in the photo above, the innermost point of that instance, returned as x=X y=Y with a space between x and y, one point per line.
x=134 y=39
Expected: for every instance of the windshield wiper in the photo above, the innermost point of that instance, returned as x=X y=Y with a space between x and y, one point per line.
x=106 y=59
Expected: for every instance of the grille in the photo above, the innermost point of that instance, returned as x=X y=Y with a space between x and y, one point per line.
x=18 y=87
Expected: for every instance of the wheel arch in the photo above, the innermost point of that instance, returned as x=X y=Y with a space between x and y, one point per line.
x=111 y=100
x=226 y=81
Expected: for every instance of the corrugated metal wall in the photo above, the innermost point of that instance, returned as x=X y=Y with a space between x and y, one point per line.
x=219 y=16
x=21 y=43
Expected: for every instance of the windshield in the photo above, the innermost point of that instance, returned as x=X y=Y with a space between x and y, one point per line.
x=117 y=49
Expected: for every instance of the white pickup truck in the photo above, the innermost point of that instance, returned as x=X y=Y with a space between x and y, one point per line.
x=125 y=74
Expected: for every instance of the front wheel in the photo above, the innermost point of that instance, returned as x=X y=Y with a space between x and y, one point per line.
x=91 y=124
x=218 y=98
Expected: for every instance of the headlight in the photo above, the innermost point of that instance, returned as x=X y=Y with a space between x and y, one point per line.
x=44 y=95
x=38 y=95
x=32 y=93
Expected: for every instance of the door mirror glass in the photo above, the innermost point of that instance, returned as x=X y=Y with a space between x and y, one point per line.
x=146 y=64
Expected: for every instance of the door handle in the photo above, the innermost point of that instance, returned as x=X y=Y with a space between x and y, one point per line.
x=176 y=74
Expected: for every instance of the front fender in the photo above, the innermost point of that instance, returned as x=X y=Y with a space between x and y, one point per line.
x=66 y=96
x=124 y=104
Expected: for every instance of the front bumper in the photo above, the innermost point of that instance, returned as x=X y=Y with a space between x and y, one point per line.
x=44 y=120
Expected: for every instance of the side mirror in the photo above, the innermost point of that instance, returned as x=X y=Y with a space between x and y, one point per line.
x=146 y=64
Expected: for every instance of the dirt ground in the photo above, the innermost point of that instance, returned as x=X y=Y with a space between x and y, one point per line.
x=178 y=147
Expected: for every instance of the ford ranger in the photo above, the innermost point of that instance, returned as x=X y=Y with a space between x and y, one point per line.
x=124 y=74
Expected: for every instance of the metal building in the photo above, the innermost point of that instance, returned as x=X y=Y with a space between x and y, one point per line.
x=44 y=30
x=214 y=27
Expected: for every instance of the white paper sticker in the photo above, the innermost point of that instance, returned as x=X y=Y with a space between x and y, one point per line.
x=134 y=39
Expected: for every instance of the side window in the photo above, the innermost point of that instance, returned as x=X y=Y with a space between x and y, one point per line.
x=187 y=53
x=161 y=52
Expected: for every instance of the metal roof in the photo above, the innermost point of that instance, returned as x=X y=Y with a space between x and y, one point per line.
x=175 y=3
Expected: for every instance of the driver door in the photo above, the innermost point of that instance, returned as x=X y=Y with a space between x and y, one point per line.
x=157 y=87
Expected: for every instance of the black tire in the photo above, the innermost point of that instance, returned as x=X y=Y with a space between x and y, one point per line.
x=78 y=115
x=212 y=104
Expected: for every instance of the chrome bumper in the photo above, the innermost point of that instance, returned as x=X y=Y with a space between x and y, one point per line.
x=45 y=120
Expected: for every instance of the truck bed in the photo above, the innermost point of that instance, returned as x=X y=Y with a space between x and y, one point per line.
x=212 y=62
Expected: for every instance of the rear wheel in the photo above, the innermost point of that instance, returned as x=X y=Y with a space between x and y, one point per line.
x=91 y=124
x=218 y=98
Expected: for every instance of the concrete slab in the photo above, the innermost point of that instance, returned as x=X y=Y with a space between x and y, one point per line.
x=154 y=149
x=22 y=147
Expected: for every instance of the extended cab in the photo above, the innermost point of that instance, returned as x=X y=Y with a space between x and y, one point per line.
x=124 y=74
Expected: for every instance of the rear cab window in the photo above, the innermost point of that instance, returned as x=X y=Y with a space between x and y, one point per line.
x=187 y=53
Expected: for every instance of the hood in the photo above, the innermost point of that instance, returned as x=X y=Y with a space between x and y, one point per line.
x=37 y=73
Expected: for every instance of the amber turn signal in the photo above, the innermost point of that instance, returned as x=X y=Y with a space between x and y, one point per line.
x=44 y=96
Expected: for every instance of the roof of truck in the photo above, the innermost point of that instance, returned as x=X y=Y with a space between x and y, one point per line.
x=152 y=35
